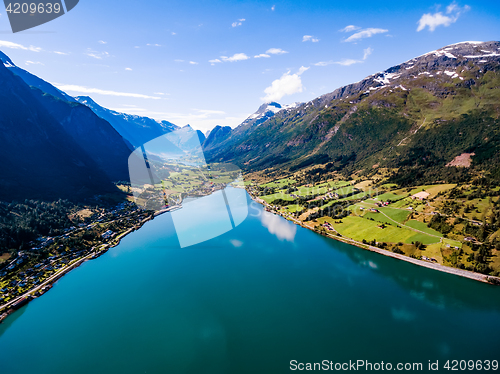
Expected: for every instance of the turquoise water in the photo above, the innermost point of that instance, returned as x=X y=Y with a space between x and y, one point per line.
x=249 y=301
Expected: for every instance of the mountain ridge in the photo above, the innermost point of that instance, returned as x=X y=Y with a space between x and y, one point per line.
x=380 y=120
x=134 y=128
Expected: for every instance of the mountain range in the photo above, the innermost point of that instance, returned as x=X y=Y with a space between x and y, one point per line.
x=39 y=158
x=414 y=118
x=55 y=147
x=135 y=129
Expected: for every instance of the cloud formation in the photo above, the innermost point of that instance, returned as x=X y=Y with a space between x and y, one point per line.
x=88 y=90
x=275 y=51
x=366 y=33
x=432 y=21
x=367 y=52
x=307 y=38
x=288 y=84
x=233 y=58
x=97 y=55
x=238 y=23
x=349 y=28
x=343 y=62
x=262 y=55
x=6 y=44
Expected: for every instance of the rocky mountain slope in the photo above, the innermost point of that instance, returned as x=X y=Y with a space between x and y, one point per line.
x=414 y=118
x=93 y=134
x=224 y=136
x=33 y=80
x=39 y=158
x=136 y=129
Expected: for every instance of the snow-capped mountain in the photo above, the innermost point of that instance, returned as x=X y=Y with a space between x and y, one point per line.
x=136 y=129
x=414 y=117
x=265 y=112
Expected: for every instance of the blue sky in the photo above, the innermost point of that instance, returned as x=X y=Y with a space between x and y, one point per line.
x=215 y=62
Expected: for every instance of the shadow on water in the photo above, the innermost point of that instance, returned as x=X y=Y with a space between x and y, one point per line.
x=11 y=319
x=439 y=289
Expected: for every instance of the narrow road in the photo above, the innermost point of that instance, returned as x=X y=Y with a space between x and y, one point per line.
x=408 y=227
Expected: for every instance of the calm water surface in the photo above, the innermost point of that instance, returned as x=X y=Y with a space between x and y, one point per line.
x=249 y=301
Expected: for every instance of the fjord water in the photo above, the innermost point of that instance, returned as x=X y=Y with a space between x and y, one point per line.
x=249 y=301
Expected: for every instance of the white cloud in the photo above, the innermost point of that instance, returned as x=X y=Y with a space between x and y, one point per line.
x=288 y=84
x=33 y=63
x=88 y=90
x=273 y=8
x=128 y=69
x=367 y=52
x=153 y=45
x=349 y=28
x=173 y=33
x=347 y=62
x=366 y=33
x=323 y=63
x=432 y=21
x=302 y=69
x=6 y=44
x=282 y=229
x=238 y=23
x=214 y=61
x=61 y=53
x=235 y=57
x=262 y=55
x=311 y=38
x=102 y=42
x=97 y=55
x=193 y=63
x=343 y=62
x=236 y=243
x=275 y=51
x=161 y=93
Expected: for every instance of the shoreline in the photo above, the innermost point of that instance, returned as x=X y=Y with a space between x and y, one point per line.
x=96 y=252
x=488 y=279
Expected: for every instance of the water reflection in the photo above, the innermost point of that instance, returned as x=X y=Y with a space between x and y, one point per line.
x=279 y=226
x=435 y=288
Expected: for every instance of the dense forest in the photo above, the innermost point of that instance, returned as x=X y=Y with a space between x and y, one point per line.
x=21 y=223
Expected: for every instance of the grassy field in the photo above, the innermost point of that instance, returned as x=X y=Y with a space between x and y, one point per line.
x=390 y=196
x=270 y=198
x=398 y=215
x=379 y=217
x=453 y=243
x=278 y=184
x=403 y=203
x=294 y=208
x=359 y=228
x=306 y=191
x=433 y=189
x=422 y=227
